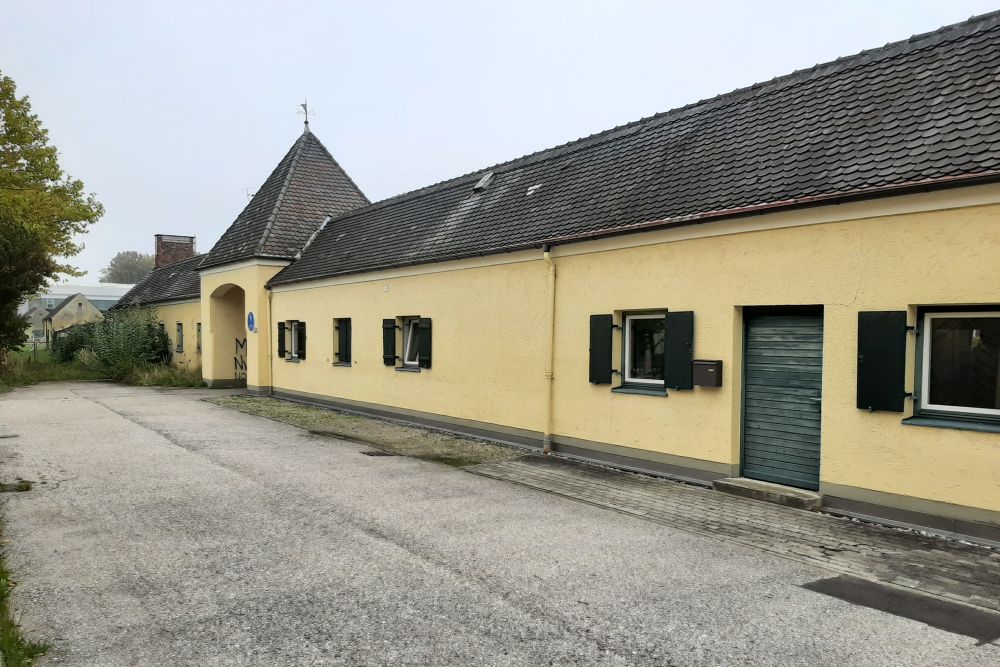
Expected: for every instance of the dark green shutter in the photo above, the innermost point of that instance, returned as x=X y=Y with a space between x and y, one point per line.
x=679 y=362
x=424 y=342
x=301 y=329
x=389 y=342
x=882 y=360
x=344 y=340
x=601 y=327
x=281 y=339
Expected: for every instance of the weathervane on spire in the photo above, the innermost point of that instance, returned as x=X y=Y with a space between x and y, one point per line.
x=305 y=112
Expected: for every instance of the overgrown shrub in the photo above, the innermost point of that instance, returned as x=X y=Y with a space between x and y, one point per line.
x=88 y=359
x=128 y=338
x=127 y=346
x=69 y=342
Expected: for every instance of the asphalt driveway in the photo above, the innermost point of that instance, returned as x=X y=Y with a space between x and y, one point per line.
x=170 y=531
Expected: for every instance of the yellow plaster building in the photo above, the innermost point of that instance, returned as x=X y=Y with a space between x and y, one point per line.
x=797 y=283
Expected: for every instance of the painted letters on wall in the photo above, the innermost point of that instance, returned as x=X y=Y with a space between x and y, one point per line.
x=240 y=359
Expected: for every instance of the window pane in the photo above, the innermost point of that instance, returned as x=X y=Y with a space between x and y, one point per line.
x=646 y=340
x=410 y=352
x=965 y=362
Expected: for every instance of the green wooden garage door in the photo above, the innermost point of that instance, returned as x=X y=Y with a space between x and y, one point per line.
x=783 y=371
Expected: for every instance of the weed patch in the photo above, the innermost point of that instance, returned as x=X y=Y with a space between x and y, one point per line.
x=427 y=444
x=17 y=651
x=26 y=367
x=158 y=375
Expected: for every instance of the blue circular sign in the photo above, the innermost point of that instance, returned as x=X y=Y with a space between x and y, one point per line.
x=250 y=321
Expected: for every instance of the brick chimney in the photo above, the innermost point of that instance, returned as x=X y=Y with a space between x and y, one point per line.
x=170 y=249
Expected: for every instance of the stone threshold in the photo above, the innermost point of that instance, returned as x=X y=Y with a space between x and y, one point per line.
x=769 y=492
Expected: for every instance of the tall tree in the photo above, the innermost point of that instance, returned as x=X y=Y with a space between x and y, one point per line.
x=128 y=266
x=41 y=210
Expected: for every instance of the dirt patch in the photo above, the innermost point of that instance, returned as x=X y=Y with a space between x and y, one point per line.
x=446 y=448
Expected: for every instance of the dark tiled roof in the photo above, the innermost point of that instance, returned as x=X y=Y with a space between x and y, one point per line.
x=305 y=187
x=920 y=110
x=179 y=280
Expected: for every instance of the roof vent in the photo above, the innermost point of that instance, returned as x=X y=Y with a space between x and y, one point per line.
x=483 y=182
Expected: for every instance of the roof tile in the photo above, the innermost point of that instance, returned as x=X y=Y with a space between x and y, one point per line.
x=179 y=280
x=909 y=112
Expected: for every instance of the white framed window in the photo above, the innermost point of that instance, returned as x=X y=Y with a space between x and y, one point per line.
x=292 y=340
x=292 y=326
x=411 y=327
x=960 y=363
x=645 y=343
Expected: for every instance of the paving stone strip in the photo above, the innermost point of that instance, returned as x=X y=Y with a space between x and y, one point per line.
x=956 y=571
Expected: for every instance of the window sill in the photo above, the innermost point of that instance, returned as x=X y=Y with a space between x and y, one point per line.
x=343 y=364
x=292 y=360
x=651 y=391
x=408 y=369
x=957 y=424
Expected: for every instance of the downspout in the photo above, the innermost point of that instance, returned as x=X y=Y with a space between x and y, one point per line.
x=270 y=348
x=550 y=346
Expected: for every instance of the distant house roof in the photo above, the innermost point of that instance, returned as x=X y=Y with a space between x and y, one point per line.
x=307 y=186
x=172 y=282
x=916 y=113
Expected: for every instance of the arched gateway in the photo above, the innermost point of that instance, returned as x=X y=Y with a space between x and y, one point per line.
x=224 y=362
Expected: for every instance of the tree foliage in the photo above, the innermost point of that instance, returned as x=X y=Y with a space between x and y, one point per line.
x=41 y=211
x=128 y=266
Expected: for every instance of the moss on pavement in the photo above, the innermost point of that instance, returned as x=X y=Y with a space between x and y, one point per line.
x=397 y=438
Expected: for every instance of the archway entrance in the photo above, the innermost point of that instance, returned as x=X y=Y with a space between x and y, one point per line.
x=228 y=349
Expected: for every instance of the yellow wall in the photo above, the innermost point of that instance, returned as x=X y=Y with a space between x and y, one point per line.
x=189 y=314
x=488 y=353
x=489 y=339
x=892 y=263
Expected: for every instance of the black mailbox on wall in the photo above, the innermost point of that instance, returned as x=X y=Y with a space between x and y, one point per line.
x=707 y=373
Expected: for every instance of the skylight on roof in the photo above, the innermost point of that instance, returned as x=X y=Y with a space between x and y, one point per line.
x=483 y=182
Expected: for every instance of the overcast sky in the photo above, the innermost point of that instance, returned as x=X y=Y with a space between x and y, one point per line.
x=170 y=111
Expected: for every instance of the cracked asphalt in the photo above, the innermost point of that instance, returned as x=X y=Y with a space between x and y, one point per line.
x=170 y=531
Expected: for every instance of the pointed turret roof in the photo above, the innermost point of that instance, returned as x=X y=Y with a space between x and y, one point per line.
x=305 y=187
